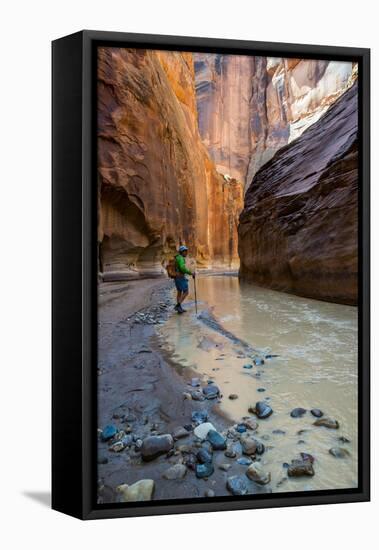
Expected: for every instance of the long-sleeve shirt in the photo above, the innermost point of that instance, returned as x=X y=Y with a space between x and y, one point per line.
x=181 y=265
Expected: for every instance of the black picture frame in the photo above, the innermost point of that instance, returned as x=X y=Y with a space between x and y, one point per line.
x=74 y=274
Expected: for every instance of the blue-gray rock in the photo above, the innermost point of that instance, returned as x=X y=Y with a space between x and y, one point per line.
x=271 y=356
x=248 y=366
x=261 y=409
x=237 y=485
x=278 y=432
x=244 y=461
x=317 y=413
x=217 y=441
x=307 y=457
x=156 y=445
x=204 y=470
x=199 y=416
x=258 y=361
x=298 y=412
x=204 y=456
x=261 y=389
x=339 y=452
x=211 y=391
x=241 y=428
x=108 y=432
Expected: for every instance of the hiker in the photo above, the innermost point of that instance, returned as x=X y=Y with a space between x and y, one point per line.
x=181 y=281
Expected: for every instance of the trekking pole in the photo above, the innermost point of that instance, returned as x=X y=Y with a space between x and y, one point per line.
x=194 y=282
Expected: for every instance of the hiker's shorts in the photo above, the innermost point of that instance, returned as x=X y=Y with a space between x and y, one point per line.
x=181 y=284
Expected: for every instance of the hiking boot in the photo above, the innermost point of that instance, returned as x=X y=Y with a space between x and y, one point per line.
x=180 y=309
x=177 y=307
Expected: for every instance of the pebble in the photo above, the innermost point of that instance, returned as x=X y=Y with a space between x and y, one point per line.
x=142 y=490
x=117 y=447
x=209 y=493
x=299 y=468
x=204 y=456
x=261 y=389
x=178 y=471
x=233 y=396
x=195 y=382
x=249 y=446
x=278 y=432
x=230 y=453
x=256 y=473
x=187 y=395
x=102 y=460
x=339 y=452
x=197 y=395
x=261 y=409
x=251 y=423
x=211 y=391
x=108 y=432
x=317 y=413
x=327 y=423
x=180 y=432
x=237 y=485
x=244 y=461
x=298 y=412
x=248 y=366
x=199 y=416
x=156 y=445
x=204 y=470
x=201 y=431
x=344 y=439
x=225 y=467
x=258 y=361
x=217 y=441
x=241 y=428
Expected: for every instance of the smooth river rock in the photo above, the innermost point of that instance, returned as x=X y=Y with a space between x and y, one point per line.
x=156 y=445
x=261 y=409
x=237 y=485
x=140 y=491
x=217 y=440
x=317 y=413
x=327 y=423
x=339 y=452
x=178 y=471
x=256 y=473
x=298 y=412
x=201 y=431
x=204 y=470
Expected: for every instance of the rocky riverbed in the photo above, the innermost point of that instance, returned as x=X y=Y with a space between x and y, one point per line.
x=162 y=429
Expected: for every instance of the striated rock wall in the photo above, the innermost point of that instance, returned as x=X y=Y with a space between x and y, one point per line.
x=298 y=229
x=157 y=184
x=249 y=107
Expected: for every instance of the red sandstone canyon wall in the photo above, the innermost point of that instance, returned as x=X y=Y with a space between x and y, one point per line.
x=298 y=229
x=157 y=184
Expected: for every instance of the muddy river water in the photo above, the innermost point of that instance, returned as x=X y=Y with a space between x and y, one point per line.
x=316 y=367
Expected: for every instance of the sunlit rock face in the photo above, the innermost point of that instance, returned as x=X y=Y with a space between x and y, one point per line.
x=157 y=184
x=249 y=107
x=298 y=229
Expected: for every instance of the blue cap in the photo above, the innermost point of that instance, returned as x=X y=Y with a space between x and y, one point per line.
x=182 y=248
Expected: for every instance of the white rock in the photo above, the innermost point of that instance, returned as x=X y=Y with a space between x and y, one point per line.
x=139 y=491
x=201 y=431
